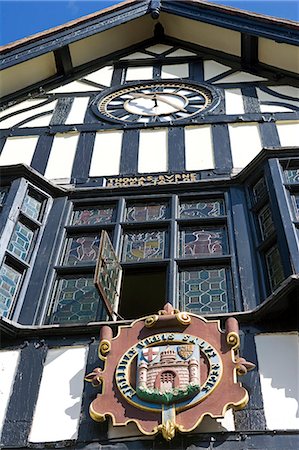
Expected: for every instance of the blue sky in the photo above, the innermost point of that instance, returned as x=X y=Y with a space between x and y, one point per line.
x=21 y=18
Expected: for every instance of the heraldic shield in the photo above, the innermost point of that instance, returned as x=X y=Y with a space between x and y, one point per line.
x=167 y=371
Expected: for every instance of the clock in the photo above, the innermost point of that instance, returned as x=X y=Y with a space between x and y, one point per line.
x=154 y=102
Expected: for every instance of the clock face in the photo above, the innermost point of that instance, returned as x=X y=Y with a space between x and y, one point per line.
x=154 y=102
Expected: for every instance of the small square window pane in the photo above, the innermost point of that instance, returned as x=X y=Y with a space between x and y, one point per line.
x=3 y=192
x=259 y=190
x=31 y=207
x=195 y=209
x=144 y=245
x=20 y=242
x=76 y=300
x=144 y=213
x=9 y=281
x=203 y=290
x=92 y=216
x=296 y=205
x=266 y=222
x=274 y=267
x=81 y=250
x=292 y=176
x=196 y=242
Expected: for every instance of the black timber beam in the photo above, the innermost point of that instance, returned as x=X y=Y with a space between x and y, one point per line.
x=66 y=35
x=249 y=51
x=281 y=31
x=63 y=61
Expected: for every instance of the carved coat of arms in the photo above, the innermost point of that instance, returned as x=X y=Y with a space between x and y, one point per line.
x=167 y=371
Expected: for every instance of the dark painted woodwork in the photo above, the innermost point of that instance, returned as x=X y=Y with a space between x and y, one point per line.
x=82 y=160
x=129 y=152
x=63 y=60
x=222 y=150
x=269 y=134
x=19 y=414
x=176 y=149
x=249 y=51
x=42 y=153
x=62 y=110
x=250 y=99
x=196 y=72
x=117 y=76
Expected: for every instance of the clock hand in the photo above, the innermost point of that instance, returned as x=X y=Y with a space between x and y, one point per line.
x=162 y=99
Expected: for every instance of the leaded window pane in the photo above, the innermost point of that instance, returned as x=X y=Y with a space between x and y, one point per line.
x=292 y=176
x=3 y=193
x=81 y=250
x=20 y=241
x=31 y=207
x=274 y=267
x=266 y=222
x=92 y=216
x=9 y=280
x=144 y=213
x=198 y=209
x=296 y=205
x=259 y=190
x=76 y=300
x=203 y=290
x=202 y=242
x=144 y=245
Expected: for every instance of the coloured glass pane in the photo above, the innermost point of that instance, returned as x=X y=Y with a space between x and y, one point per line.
x=202 y=242
x=266 y=222
x=292 y=176
x=31 y=207
x=203 y=290
x=274 y=267
x=144 y=213
x=144 y=245
x=259 y=190
x=198 y=209
x=20 y=241
x=3 y=193
x=92 y=216
x=76 y=301
x=296 y=205
x=81 y=250
x=9 y=280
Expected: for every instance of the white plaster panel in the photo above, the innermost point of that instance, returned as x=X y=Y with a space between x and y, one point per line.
x=240 y=77
x=137 y=55
x=213 y=69
x=245 y=143
x=199 y=153
x=27 y=73
x=57 y=411
x=291 y=91
x=152 y=156
x=139 y=73
x=18 y=150
x=180 y=52
x=42 y=121
x=274 y=108
x=78 y=110
x=234 y=101
x=110 y=41
x=288 y=133
x=106 y=153
x=102 y=76
x=19 y=117
x=175 y=71
x=266 y=97
x=159 y=48
x=278 y=358
x=62 y=155
x=74 y=86
x=9 y=360
x=279 y=55
x=197 y=32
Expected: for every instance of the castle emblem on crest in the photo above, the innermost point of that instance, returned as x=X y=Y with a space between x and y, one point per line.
x=167 y=371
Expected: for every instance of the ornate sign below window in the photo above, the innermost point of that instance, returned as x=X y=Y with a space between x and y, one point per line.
x=167 y=371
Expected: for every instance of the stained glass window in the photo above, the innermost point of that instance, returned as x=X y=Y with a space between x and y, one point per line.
x=296 y=205
x=202 y=242
x=203 y=290
x=292 y=176
x=274 y=267
x=20 y=241
x=3 y=193
x=81 y=250
x=92 y=216
x=141 y=245
x=144 y=213
x=32 y=207
x=203 y=208
x=76 y=301
x=9 y=280
x=266 y=222
x=259 y=190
